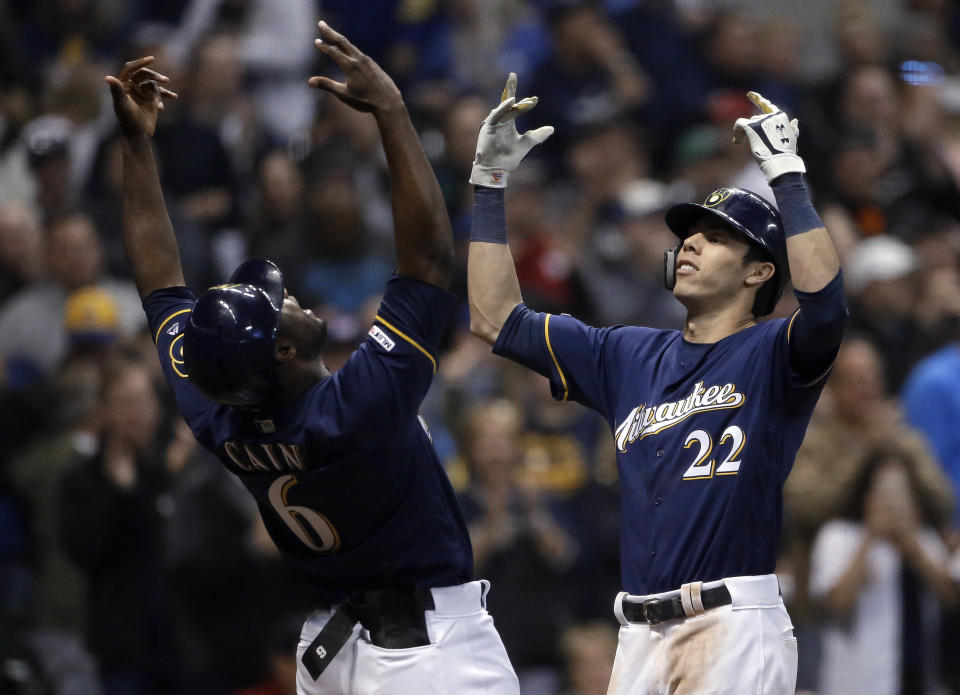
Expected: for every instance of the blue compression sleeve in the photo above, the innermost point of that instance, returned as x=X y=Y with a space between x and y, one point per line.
x=793 y=199
x=817 y=329
x=489 y=216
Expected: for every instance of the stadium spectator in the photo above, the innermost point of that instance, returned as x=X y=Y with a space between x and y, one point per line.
x=110 y=517
x=32 y=324
x=856 y=418
x=517 y=543
x=22 y=259
x=881 y=572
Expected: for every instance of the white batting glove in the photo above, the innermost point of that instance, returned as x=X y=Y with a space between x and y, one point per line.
x=773 y=138
x=500 y=148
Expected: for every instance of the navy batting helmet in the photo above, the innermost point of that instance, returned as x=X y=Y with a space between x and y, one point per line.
x=744 y=212
x=229 y=344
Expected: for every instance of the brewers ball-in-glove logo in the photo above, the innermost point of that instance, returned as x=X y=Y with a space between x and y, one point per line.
x=717 y=197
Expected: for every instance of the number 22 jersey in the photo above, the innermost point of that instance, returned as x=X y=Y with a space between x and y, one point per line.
x=706 y=435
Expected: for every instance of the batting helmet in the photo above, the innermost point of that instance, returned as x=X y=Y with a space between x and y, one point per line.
x=744 y=212
x=229 y=344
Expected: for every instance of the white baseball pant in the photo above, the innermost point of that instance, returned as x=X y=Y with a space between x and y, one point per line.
x=744 y=647
x=465 y=654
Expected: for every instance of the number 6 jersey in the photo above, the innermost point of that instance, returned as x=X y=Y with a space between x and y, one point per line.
x=345 y=475
x=706 y=435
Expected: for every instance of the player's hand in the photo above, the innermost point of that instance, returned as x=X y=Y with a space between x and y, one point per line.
x=138 y=95
x=500 y=148
x=367 y=87
x=773 y=138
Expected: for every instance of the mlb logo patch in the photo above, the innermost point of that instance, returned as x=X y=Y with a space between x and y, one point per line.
x=386 y=342
x=174 y=329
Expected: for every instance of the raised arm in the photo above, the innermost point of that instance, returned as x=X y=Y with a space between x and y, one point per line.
x=421 y=232
x=816 y=330
x=148 y=237
x=773 y=140
x=492 y=285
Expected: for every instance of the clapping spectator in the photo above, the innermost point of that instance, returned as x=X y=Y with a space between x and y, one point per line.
x=881 y=573
x=111 y=525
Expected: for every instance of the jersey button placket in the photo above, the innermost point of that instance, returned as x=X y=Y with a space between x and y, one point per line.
x=657 y=500
x=659 y=452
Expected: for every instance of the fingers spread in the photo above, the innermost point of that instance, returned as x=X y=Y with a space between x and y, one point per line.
x=525 y=105
x=510 y=89
x=540 y=134
x=762 y=103
x=134 y=65
x=328 y=85
x=148 y=74
x=332 y=52
x=499 y=114
x=330 y=35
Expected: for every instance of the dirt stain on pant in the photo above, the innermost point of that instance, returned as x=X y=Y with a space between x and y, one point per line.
x=691 y=650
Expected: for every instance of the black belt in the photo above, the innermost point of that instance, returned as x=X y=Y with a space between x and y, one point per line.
x=393 y=617
x=660 y=610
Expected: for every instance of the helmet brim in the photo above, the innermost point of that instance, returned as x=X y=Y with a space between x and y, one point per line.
x=680 y=218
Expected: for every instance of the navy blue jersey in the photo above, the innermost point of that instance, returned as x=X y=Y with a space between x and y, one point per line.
x=345 y=476
x=706 y=435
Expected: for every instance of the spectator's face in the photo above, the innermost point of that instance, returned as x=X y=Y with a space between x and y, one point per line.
x=857 y=380
x=733 y=45
x=870 y=98
x=338 y=228
x=781 y=40
x=494 y=449
x=460 y=131
x=53 y=179
x=21 y=243
x=859 y=37
x=131 y=408
x=74 y=252
x=218 y=75
x=574 y=32
x=281 y=185
x=890 y=492
x=856 y=171
x=605 y=162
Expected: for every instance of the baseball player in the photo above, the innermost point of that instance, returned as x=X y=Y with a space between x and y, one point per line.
x=707 y=420
x=341 y=466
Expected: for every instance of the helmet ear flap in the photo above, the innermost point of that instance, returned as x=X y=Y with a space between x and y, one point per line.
x=670 y=267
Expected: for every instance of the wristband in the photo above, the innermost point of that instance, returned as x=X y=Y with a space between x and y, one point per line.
x=796 y=208
x=489 y=216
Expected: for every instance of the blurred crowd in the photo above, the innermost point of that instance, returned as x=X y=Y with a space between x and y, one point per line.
x=131 y=563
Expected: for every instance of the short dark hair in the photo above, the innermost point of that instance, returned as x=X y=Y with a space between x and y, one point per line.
x=767 y=292
x=855 y=508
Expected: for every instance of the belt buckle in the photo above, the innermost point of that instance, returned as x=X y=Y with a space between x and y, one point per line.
x=650 y=618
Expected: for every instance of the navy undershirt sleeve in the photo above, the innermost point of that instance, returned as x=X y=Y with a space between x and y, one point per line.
x=489 y=216
x=793 y=201
x=816 y=330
